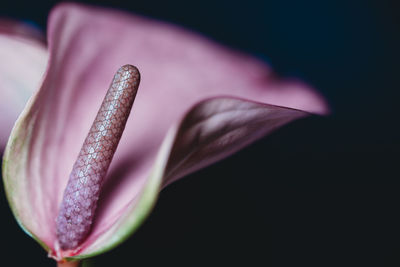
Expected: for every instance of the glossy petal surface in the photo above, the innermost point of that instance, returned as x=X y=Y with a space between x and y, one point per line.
x=211 y=101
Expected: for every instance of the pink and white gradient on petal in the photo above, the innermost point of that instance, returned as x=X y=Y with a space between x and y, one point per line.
x=198 y=102
x=23 y=59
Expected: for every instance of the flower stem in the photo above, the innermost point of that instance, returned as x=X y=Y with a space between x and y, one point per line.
x=68 y=263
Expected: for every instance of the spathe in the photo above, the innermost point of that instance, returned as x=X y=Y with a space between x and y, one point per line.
x=198 y=102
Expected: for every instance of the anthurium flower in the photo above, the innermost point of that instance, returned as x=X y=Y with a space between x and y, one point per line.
x=198 y=102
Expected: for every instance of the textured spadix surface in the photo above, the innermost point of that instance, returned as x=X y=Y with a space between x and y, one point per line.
x=198 y=102
x=79 y=203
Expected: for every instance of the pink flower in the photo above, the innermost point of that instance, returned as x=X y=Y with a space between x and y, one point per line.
x=198 y=102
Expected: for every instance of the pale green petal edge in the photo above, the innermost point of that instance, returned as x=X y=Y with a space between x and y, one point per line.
x=139 y=212
x=7 y=177
x=134 y=217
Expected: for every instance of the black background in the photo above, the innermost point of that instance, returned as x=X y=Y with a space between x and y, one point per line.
x=323 y=191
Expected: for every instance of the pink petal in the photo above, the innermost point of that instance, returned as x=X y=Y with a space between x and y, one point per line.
x=178 y=70
x=217 y=128
x=23 y=61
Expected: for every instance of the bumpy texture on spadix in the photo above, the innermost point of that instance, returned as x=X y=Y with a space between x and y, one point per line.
x=82 y=192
